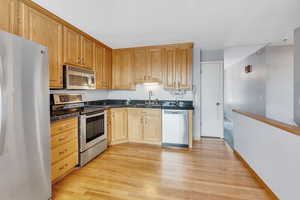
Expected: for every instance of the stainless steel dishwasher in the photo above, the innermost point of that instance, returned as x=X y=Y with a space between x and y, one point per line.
x=175 y=128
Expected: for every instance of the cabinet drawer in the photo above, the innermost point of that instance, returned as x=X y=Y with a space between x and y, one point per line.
x=63 y=125
x=64 y=150
x=63 y=138
x=64 y=166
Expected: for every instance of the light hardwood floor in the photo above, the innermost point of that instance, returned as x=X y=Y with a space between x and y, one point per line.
x=210 y=171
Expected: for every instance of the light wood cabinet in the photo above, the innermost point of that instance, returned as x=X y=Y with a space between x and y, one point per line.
x=102 y=67
x=178 y=67
x=140 y=64
x=155 y=64
x=135 y=125
x=170 y=68
x=184 y=67
x=87 y=53
x=122 y=73
x=8 y=15
x=144 y=125
x=148 y=64
x=42 y=29
x=108 y=124
x=168 y=64
x=64 y=150
x=99 y=66
x=72 y=47
x=64 y=147
x=66 y=44
x=152 y=125
x=61 y=168
x=107 y=69
x=119 y=125
x=78 y=50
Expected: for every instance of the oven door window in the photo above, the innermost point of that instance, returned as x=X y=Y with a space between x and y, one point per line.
x=94 y=128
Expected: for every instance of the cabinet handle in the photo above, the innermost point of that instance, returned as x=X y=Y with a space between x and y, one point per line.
x=66 y=126
x=62 y=139
x=78 y=60
x=83 y=61
x=62 y=152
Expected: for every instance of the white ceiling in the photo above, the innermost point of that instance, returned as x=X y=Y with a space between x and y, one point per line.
x=211 y=24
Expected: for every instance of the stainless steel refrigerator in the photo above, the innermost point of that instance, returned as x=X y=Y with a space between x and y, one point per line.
x=24 y=117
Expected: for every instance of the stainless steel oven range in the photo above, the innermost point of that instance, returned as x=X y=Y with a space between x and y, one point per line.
x=92 y=132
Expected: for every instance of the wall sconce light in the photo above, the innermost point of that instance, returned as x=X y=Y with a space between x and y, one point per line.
x=248 y=69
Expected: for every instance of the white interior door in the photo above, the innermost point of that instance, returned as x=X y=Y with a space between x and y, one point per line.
x=212 y=99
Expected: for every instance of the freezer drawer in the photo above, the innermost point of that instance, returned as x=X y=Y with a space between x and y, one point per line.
x=175 y=128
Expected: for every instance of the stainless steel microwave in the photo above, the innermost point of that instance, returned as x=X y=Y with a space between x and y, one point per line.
x=77 y=78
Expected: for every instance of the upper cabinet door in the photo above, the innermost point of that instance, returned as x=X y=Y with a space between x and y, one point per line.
x=72 y=49
x=87 y=53
x=155 y=64
x=8 y=15
x=122 y=70
x=45 y=31
x=170 y=68
x=184 y=67
x=106 y=78
x=99 y=66
x=140 y=64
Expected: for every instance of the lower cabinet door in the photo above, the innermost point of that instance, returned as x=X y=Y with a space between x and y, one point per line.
x=63 y=151
x=119 y=125
x=63 y=138
x=152 y=126
x=135 y=125
x=63 y=166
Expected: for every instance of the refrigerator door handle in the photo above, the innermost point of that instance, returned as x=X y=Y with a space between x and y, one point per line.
x=2 y=107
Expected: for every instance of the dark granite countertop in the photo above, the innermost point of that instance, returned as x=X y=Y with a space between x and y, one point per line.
x=118 y=103
x=163 y=104
x=65 y=116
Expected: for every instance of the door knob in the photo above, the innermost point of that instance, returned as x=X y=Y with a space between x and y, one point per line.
x=218 y=104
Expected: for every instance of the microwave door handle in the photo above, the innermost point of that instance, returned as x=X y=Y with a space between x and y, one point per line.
x=2 y=108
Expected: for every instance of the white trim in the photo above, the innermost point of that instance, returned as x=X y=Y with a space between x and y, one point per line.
x=212 y=62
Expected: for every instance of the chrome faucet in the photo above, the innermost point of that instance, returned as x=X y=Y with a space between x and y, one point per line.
x=128 y=101
x=150 y=93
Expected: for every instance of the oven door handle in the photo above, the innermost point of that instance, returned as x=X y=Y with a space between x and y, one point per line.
x=95 y=115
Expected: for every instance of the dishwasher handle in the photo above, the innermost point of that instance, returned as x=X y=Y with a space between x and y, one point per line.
x=174 y=112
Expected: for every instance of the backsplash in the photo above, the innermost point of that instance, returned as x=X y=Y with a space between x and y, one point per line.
x=90 y=95
x=141 y=93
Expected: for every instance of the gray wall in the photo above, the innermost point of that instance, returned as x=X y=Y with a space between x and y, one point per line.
x=268 y=89
x=297 y=77
x=244 y=91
